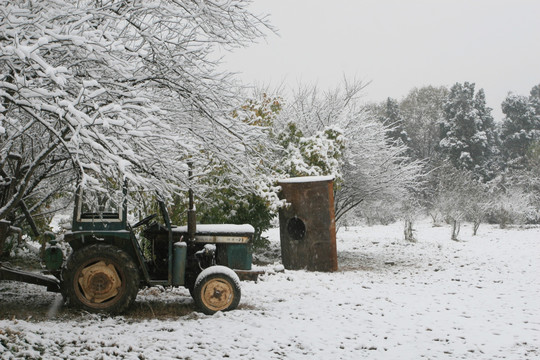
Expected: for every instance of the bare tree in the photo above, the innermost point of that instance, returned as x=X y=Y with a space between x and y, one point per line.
x=459 y=197
x=370 y=166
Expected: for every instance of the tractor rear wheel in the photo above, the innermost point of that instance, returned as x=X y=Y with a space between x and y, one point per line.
x=101 y=278
x=217 y=288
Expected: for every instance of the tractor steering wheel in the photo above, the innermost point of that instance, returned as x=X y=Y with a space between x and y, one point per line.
x=144 y=221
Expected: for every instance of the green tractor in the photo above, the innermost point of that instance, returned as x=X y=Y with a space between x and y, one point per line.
x=111 y=259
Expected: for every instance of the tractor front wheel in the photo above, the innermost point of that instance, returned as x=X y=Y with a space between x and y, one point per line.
x=101 y=278
x=217 y=288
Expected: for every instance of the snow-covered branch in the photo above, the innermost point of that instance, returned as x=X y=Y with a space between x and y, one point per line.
x=124 y=90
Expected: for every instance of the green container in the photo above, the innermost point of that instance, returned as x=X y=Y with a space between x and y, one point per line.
x=239 y=256
x=179 y=264
x=53 y=256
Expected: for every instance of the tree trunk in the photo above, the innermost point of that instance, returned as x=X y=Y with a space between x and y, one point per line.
x=456 y=226
x=4 y=231
x=476 y=225
x=435 y=218
x=408 y=231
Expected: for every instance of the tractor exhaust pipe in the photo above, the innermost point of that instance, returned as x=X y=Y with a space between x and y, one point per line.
x=191 y=215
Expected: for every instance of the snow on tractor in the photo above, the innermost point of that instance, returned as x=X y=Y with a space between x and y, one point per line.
x=110 y=262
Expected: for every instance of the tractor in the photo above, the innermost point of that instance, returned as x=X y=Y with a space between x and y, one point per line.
x=112 y=259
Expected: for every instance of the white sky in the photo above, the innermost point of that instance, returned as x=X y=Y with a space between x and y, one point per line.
x=398 y=45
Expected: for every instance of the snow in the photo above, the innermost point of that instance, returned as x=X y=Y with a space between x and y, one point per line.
x=306 y=179
x=434 y=299
x=218 y=229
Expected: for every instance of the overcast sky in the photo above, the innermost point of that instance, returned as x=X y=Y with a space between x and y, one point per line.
x=398 y=45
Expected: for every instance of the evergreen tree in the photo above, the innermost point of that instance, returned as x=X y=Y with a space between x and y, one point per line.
x=534 y=98
x=521 y=127
x=468 y=136
x=390 y=116
x=422 y=111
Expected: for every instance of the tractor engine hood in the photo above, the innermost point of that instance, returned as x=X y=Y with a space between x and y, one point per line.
x=219 y=233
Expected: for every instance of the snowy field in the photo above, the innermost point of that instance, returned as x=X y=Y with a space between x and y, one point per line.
x=435 y=299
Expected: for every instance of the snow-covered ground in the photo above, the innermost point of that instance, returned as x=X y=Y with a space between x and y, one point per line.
x=435 y=299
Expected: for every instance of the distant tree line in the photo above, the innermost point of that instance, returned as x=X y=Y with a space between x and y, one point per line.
x=476 y=169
